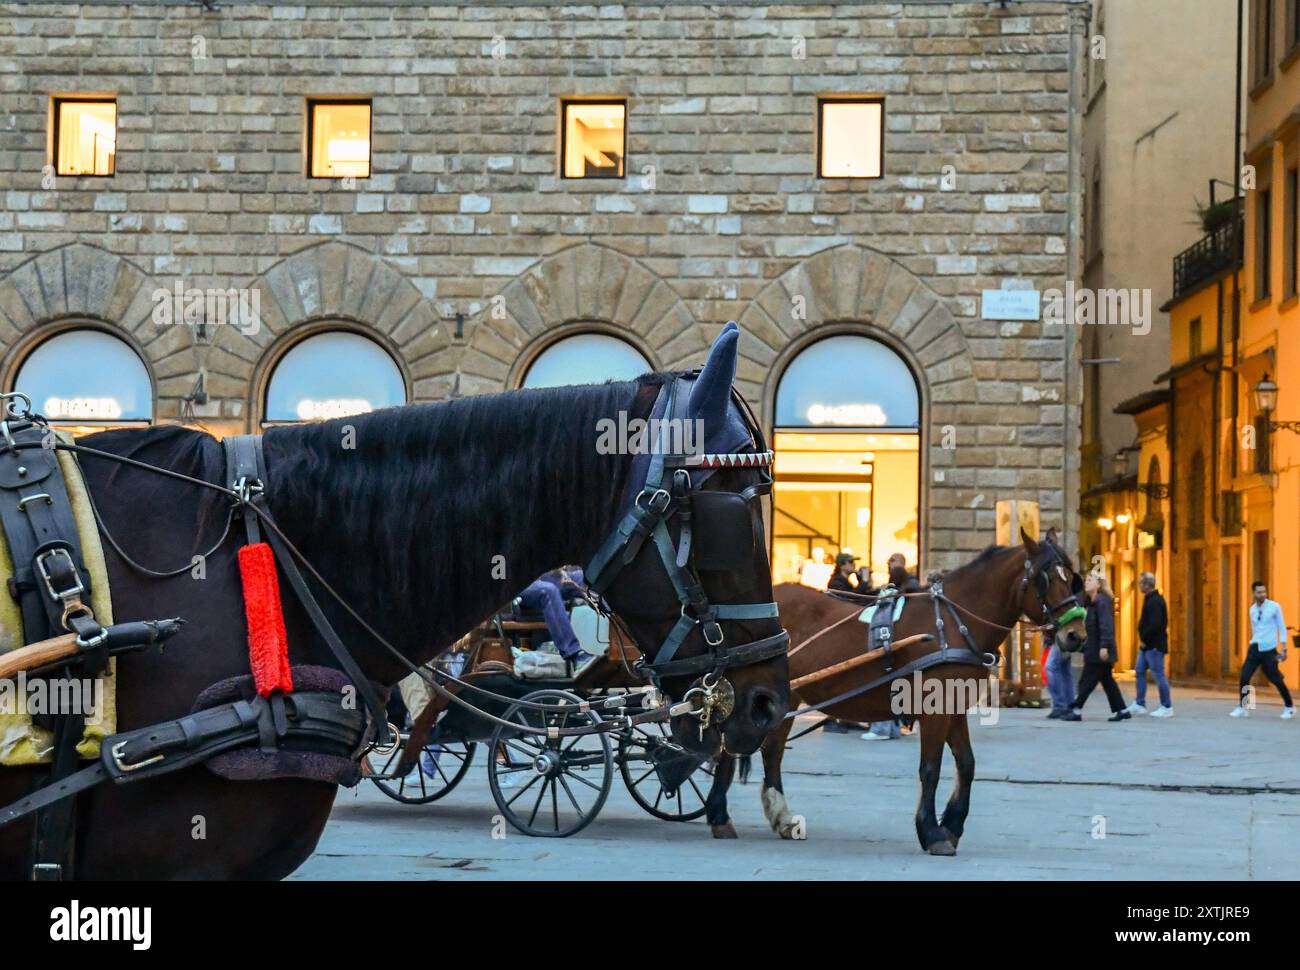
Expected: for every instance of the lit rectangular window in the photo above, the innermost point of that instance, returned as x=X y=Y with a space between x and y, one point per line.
x=85 y=136
x=850 y=138
x=338 y=139
x=593 y=139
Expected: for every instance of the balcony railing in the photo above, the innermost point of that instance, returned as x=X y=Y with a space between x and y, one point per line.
x=1212 y=254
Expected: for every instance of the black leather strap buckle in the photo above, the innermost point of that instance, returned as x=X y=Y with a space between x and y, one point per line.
x=66 y=571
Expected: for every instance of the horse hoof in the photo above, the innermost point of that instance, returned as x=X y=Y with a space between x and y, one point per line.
x=943 y=847
x=724 y=831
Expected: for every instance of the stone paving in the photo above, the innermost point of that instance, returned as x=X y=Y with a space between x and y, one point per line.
x=1199 y=796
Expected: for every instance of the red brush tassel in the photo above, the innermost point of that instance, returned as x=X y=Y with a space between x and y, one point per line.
x=268 y=644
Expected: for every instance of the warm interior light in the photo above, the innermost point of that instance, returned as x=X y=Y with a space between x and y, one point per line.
x=1123 y=518
x=1105 y=522
x=850 y=139
x=340 y=140
x=87 y=137
x=593 y=140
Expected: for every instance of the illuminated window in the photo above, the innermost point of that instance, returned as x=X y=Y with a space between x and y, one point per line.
x=85 y=139
x=586 y=358
x=338 y=139
x=331 y=375
x=594 y=139
x=86 y=377
x=850 y=138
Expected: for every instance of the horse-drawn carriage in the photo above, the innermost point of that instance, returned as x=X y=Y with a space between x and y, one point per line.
x=541 y=787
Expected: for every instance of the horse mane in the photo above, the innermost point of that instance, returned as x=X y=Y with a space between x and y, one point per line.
x=472 y=499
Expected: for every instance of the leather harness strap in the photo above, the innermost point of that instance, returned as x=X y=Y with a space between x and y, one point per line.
x=49 y=582
x=246 y=474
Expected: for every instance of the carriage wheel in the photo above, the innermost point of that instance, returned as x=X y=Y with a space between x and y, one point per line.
x=549 y=787
x=647 y=750
x=439 y=769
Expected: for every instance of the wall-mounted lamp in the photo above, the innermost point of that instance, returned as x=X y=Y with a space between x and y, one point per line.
x=1265 y=393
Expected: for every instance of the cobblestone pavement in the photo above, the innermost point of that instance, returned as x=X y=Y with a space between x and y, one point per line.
x=1199 y=796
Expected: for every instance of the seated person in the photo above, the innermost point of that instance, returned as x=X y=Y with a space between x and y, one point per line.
x=844 y=569
x=547 y=595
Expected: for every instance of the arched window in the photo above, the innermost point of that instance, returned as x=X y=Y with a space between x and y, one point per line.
x=86 y=377
x=586 y=358
x=848 y=448
x=332 y=374
x=848 y=381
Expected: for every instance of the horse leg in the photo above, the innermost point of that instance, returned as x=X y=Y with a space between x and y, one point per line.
x=775 y=807
x=958 y=807
x=934 y=731
x=715 y=804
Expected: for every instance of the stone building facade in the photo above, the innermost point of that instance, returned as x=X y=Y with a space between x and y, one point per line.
x=464 y=253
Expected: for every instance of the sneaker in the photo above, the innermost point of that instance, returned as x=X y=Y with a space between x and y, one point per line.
x=1237 y=711
x=1136 y=708
x=873 y=736
x=1071 y=716
x=1057 y=712
x=1288 y=713
x=580 y=661
x=1120 y=716
x=1163 y=712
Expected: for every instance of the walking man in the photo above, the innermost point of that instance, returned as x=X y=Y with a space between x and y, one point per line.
x=1267 y=650
x=1153 y=638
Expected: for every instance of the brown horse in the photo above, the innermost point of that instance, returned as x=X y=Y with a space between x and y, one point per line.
x=990 y=594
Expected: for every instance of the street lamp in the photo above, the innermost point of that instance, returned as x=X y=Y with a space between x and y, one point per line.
x=1265 y=401
x=1119 y=462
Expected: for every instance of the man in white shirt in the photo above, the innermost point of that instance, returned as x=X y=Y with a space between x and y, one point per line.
x=1267 y=649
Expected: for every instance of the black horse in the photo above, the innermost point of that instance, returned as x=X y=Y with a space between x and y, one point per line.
x=428 y=518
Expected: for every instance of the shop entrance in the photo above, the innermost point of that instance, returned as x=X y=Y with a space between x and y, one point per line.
x=847 y=445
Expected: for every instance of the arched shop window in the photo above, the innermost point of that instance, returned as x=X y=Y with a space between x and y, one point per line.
x=847 y=440
x=330 y=375
x=86 y=377
x=586 y=358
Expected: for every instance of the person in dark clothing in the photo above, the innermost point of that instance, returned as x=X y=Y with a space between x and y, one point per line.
x=899 y=577
x=1099 y=650
x=843 y=570
x=1153 y=636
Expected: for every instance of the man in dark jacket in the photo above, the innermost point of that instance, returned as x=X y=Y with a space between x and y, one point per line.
x=1153 y=636
x=840 y=579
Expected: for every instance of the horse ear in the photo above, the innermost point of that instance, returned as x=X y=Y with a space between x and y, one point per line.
x=1031 y=546
x=1051 y=537
x=711 y=394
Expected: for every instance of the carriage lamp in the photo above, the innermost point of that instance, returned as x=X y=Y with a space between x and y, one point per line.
x=1265 y=393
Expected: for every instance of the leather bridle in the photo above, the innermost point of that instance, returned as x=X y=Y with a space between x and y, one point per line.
x=672 y=488
x=1067 y=610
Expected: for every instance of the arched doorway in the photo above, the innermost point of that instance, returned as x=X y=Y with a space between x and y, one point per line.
x=847 y=440
x=585 y=358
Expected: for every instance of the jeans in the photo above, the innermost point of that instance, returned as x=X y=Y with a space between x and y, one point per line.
x=1256 y=658
x=1149 y=658
x=1060 y=680
x=886 y=729
x=549 y=601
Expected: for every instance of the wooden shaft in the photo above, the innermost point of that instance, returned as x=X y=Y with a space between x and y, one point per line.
x=858 y=661
x=37 y=654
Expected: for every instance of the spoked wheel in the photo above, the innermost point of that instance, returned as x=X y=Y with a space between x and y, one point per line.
x=651 y=765
x=549 y=787
x=438 y=769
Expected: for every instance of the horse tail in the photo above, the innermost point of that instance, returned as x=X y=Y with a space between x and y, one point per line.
x=743 y=764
